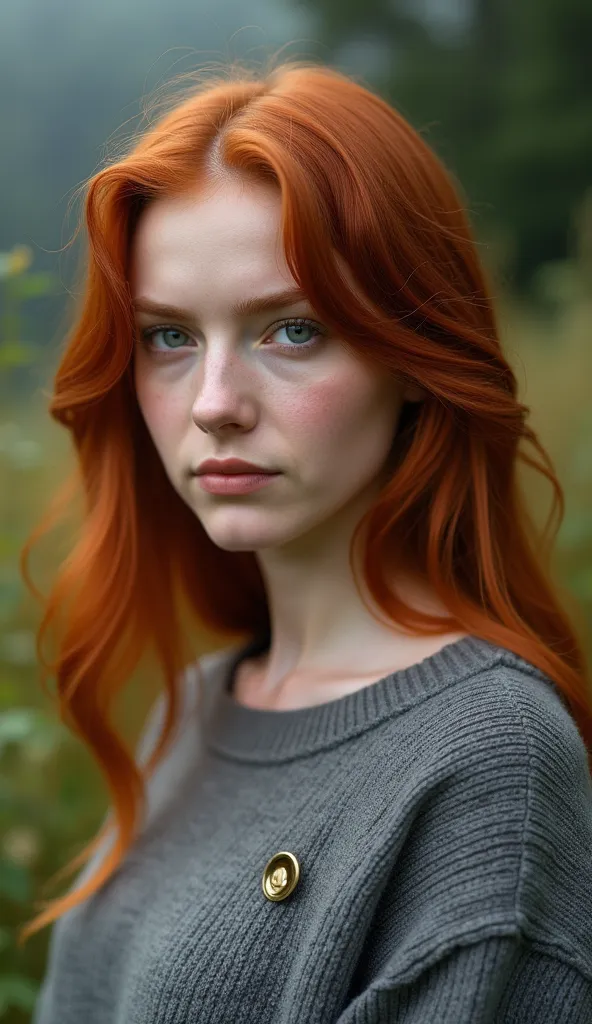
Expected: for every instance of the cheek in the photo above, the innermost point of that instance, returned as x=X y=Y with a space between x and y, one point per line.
x=341 y=415
x=161 y=413
x=316 y=414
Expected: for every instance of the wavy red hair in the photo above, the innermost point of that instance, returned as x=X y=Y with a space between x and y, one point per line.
x=359 y=188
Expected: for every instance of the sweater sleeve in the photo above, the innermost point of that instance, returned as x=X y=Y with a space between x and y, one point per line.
x=498 y=980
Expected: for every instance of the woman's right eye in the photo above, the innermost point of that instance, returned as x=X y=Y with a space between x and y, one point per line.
x=149 y=332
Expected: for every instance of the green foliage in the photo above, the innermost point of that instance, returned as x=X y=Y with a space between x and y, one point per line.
x=16 y=990
x=17 y=286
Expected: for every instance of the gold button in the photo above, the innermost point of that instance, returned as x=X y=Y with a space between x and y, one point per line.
x=280 y=876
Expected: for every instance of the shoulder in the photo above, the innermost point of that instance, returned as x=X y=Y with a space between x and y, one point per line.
x=180 y=758
x=195 y=686
x=511 y=716
x=507 y=745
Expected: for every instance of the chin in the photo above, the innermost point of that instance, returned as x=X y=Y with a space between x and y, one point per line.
x=249 y=537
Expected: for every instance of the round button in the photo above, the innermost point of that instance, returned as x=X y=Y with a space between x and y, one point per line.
x=280 y=876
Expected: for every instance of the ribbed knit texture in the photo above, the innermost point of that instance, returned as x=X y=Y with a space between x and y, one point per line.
x=442 y=820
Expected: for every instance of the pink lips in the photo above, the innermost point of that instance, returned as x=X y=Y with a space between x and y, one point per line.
x=234 y=483
x=232 y=465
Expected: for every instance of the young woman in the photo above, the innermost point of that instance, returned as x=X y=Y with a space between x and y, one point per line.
x=375 y=804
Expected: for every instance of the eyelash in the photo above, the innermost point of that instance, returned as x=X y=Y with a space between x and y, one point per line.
x=148 y=332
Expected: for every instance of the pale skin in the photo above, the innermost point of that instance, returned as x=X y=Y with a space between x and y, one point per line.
x=218 y=384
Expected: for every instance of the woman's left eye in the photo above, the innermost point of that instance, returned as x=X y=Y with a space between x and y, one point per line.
x=297 y=323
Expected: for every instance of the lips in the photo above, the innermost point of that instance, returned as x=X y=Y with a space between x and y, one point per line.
x=234 y=472
x=231 y=467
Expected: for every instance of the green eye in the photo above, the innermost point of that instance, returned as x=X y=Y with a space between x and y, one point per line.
x=299 y=322
x=149 y=333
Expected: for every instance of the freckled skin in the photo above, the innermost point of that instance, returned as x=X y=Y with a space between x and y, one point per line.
x=323 y=418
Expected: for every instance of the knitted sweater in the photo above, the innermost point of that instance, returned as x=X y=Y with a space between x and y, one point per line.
x=417 y=851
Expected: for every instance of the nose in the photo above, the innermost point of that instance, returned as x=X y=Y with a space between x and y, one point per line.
x=224 y=393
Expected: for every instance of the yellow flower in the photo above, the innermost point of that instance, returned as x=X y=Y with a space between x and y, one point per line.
x=20 y=259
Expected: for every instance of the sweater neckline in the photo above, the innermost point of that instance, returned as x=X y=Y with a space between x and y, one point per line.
x=265 y=736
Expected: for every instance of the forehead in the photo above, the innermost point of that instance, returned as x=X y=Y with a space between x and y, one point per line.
x=229 y=236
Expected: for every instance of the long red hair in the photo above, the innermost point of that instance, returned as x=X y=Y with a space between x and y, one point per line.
x=359 y=186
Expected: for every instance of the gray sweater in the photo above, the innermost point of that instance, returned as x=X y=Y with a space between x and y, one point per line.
x=418 y=851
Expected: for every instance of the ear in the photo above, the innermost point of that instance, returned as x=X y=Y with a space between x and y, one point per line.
x=414 y=394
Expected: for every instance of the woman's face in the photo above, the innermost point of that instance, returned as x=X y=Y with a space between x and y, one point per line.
x=217 y=382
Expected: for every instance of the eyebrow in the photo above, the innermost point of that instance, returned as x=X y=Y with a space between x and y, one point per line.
x=245 y=307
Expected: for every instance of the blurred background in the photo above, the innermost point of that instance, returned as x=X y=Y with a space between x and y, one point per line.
x=501 y=90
